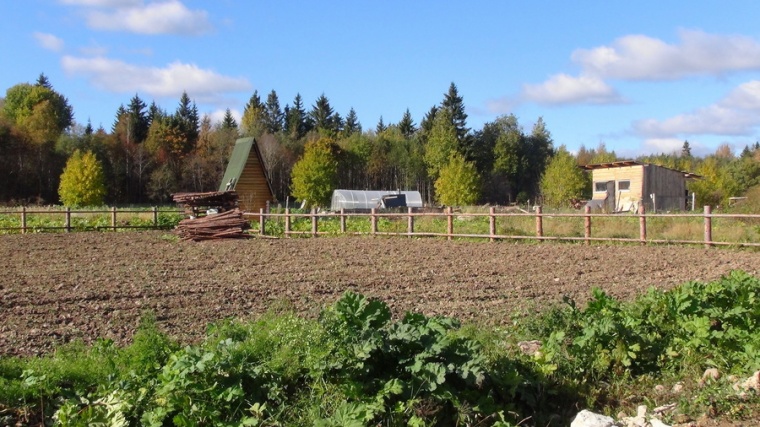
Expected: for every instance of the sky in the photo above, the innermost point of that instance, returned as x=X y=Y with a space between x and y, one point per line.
x=640 y=77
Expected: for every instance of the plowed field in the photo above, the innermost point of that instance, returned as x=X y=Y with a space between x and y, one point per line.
x=55 y=288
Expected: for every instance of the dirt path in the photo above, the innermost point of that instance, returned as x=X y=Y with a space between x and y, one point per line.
x=59 y=287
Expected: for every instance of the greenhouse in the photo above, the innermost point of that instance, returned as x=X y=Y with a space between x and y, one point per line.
x=366 y=200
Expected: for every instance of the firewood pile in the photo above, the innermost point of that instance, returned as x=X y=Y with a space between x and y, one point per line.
x=196 y=204
x=212 y=215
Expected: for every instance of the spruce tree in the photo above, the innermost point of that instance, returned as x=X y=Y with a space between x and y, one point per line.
x=229 y=122
x=406 y=125
x=381 y=127
x=454 y=103
x=137 y=120
x=321 y=114
x=273 y=115
x=352 y=124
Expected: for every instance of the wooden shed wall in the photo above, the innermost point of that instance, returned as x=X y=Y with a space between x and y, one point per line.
x=252 y=187
x=633 y=173
x=668 y=186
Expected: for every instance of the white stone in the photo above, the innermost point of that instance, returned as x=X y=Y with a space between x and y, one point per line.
x=587 y=418
x=677 y=388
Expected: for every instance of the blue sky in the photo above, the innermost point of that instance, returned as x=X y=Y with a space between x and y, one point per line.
x=640 y=77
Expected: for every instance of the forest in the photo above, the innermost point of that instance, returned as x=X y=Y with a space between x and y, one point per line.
x=47 y=157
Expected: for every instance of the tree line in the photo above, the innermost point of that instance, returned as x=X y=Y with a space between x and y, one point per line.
x=150 y=153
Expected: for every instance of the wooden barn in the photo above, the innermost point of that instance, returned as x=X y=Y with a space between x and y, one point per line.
x=624 y=185
x=247 y=175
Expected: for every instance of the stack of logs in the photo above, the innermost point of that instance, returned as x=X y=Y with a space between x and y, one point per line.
x=211 y=216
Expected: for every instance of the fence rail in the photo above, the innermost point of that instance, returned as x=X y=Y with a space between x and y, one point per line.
x=288 y=219
x=449 y=215
x=24 y=215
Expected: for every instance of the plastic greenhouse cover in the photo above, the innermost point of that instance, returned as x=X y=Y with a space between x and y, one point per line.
x=360 y=199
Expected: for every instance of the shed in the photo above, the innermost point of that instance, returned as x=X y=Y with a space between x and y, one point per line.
x=624 y=185
x=247 y=175
x=366 y=200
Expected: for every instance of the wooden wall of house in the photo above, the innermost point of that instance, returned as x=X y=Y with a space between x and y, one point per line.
x=634 y=173
x=252 y=187
x=668 y=186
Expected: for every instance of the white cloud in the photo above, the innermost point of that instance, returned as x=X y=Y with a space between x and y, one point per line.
x=137 y=16
x=711 y=120
x=664 y=145
x=746 y=96
x=640 y=57
x=217 y=116
x=562 y=89
x=49 y=41
x=170 y=81
x=735 y=114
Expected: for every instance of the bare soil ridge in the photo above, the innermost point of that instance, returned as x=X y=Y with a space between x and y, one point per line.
x=55 y=288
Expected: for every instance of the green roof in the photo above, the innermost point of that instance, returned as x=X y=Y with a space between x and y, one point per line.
x=237 y=162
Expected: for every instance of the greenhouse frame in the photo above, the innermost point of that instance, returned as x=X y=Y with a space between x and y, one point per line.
x=366 y=200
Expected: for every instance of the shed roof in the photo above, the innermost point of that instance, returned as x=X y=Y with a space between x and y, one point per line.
x=624 y=163
x=238 y=159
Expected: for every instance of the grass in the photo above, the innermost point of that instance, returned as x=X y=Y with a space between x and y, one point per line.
x=53 y=219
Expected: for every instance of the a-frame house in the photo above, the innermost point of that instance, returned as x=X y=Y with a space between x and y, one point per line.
x=247 y=176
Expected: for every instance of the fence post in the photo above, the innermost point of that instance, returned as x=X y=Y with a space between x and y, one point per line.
x=67 y=221
x=373 y=221
x=410 y=222
x=261 y=222
x=287 y=222
x=708 y=226
x=539 y=222
x=113 y=218
x=587 y=224
x=155 y=217
x=449 y=223
x=642 y=225
x=492 y=223
x=23 y=219
x=343 y=220
x=314 y=227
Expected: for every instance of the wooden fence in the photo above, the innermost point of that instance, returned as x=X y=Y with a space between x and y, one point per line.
x=67 y=213
x=449 y=215
x=706 y=216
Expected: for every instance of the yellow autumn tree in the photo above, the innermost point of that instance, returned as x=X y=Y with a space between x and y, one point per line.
x=82 y=181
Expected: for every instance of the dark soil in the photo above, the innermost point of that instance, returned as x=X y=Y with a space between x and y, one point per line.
x=55 y=288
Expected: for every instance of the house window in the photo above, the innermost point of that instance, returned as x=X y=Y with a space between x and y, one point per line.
x=624 y=185
x=600 y=187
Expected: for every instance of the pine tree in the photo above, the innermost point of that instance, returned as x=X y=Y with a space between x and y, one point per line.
x=406 y=125
x=187 y=118
x=253 y=122
x=296 y=122
x=273 y=114
x=686 y=150
x=352 y=124
x=229 y=122
x=454 y=103
x=120 y=113
x=43 y=81
x=321 y=114
x=137 y=120
x=381 y=127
